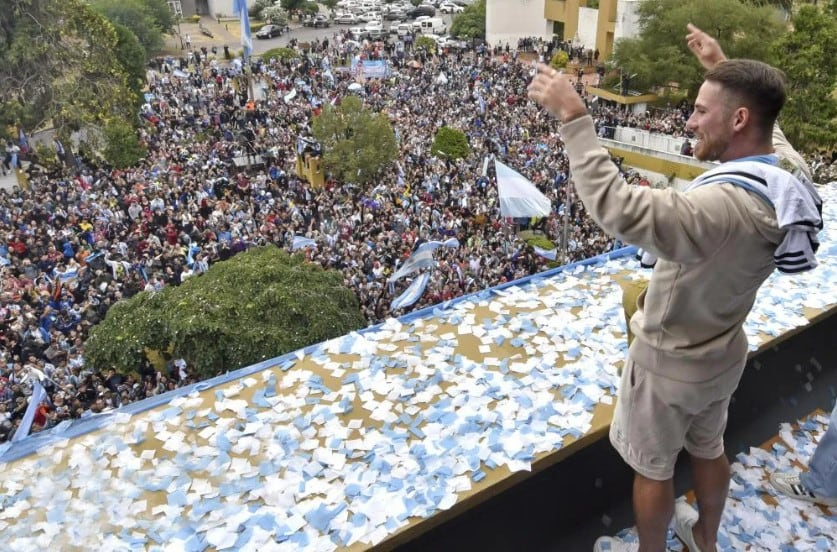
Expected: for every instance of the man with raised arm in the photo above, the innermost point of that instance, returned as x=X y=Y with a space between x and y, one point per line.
x=716 y=243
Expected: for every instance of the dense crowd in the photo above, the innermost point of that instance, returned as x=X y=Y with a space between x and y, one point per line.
x=81 y=238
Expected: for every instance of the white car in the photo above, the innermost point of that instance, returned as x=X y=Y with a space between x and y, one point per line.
x=403 y=29
x=451 y=43
x=346 y=19
x=450 y=7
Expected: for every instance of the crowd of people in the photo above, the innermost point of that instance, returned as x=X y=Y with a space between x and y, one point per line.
x=82 y=237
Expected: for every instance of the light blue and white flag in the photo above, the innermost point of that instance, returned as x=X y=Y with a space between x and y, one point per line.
x=550 y=254
x=519 y=198
x=290 y=95
x=67 y=275
x=417 y=261
x=412 y=293
x=190 y=259
x=434 y=244
x=39 y=394
x=301 y=242
x=240 y=9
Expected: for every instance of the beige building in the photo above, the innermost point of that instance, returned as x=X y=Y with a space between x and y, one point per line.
x=592 y=27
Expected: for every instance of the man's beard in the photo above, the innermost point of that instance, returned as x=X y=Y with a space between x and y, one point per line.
x=708 y=150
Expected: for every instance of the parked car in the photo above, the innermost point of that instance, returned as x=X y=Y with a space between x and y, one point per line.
x=421 y=10
x=346 y=19
x=269 y=31
x=374 y=30
x=403 y=29
x=451 y=43
x=395 y=14
x=450 y=7
x=321 y=21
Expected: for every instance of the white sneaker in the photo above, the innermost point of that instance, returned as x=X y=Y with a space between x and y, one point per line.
x=614 y=544
x=790 y=484
x=685 y=518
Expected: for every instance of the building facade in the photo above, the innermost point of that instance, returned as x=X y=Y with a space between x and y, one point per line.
x=507 y=21
x=594 y=28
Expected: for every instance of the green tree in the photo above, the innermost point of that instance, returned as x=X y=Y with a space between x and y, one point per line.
x=559 y=60
x=276 y=14
x=450 y=143
x=659 y=56
x=131 y=56
x=255 y=306
x=471 y=22
x=427 y=43
x=280 y=53
x=161 y=13
x=358 y=143
x=291 y=5
x=808 y=55
x=255 y=10
x=785 y=5
x=135 y=15
x=57 y=65
x=122 y=145
x=416 y=2
x=311 y=8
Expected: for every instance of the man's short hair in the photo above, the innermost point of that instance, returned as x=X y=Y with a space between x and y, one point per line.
x=755 y=85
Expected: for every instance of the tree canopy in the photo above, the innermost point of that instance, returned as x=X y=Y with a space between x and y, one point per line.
x=358 y=143
x=426 y=43
x=257 y=305
x=659 y=55
x=122 y=147
x=808 y=55
x=139 y=17
x=471 y=22
x=131 y=55
x=57 y=64
x=275 y=14
x=450 y=143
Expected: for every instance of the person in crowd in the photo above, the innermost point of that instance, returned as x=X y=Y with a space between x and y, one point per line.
x=819 y=483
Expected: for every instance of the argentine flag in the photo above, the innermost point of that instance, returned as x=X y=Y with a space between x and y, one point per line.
x=417 y=261
x=412 y=293
x=240 y=9
x=519 y=198
x=550 y=254
x=301 y=242
x=39 y=395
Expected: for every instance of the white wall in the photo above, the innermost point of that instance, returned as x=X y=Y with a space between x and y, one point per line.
x=225 y=7
x=651 y=140
x=587 y=22
x=627 y=19
x=510 y=20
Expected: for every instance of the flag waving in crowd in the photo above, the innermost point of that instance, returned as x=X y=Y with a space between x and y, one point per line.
x=240 y=9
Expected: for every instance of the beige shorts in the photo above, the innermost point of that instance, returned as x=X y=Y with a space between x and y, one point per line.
x=656 y=417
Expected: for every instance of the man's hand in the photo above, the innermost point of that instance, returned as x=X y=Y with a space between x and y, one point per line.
x=554 y=92
x=705 y=48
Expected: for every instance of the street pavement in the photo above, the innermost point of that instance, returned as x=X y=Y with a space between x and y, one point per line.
x=228 y=33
